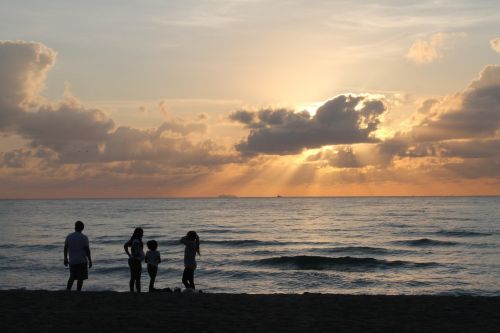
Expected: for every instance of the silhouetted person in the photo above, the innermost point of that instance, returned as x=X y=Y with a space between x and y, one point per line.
x=192 y=242
x=135 y=258
x=152 y=259
x=77 y=245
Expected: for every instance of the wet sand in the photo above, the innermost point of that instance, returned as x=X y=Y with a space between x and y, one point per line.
x=45 y=311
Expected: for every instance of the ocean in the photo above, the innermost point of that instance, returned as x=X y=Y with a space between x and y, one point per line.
x=352 y=245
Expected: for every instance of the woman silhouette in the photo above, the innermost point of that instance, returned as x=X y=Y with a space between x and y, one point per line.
x=135 y=258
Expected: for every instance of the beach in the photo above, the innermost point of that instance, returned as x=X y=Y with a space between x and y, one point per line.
x=55 y=311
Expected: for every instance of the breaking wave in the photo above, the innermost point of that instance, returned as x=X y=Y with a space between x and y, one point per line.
x=463 y=233
x=425 y=242
x=339 y=263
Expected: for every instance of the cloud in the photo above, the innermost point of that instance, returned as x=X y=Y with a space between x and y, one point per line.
x=15 y=158
x=203 y=116
x=426 y=51
x=345 y=119
x=462 y=129
x=130 y=144
x=180 y=127
x=70 y=133
x=459 y=133
x=477 y=113
x=467 y=149
x=495 y=44
x=343 y=157
x=65 y=125
x=243 y=116
x=78 y=150
x=162 y=108
x=475 y=168
x=23 y=70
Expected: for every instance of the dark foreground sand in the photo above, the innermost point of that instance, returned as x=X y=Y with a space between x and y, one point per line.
x=43 y=311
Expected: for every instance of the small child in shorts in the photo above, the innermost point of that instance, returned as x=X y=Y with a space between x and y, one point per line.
x=152 y=259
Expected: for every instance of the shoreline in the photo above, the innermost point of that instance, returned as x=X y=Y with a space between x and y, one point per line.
x=44 y=311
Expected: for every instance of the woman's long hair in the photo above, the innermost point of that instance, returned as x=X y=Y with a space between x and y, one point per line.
x=192 y=235
x=138 y=232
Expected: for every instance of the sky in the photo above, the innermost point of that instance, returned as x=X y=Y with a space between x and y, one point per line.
x=249 y=98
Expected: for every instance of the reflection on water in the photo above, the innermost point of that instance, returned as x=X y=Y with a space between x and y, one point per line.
x=334 y=245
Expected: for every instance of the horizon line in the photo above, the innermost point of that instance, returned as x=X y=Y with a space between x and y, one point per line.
x=229 y=197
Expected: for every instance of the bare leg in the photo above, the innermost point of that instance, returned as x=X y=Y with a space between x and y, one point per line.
x=152 y=270
x=70 y=284
x=152 y=284
x=138 y=285
x=79 y=285
x=188 y=278
x=185 y=278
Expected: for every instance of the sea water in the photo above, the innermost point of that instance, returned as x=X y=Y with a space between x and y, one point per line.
x=364 y=245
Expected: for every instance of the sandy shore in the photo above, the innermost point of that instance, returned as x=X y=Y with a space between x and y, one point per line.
x=44 y=311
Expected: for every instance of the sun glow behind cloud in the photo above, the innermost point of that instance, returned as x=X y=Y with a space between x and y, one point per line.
x=203 y=99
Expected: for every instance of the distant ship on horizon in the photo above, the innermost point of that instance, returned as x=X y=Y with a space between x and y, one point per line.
x=227 y=196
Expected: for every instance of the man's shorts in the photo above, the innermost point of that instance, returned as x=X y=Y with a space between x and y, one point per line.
x=79 y=271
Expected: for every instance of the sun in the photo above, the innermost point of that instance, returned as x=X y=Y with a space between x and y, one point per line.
x=311 y=107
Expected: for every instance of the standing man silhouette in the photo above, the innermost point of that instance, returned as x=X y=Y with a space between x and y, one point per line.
x=77 y=245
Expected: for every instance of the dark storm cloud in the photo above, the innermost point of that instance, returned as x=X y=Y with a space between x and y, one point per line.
x=344 y=119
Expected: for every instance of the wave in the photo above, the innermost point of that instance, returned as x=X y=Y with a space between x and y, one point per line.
x=109 y=241
x=425 y=242
x=31 y=247
x=121 y=241
x=463 y=233
x=242 y=242
x=112 y=269
x=397 y=225
x=224 y=231
x=215 y=231
x=399 y=214
x=339 y=263
x=362 y=249
x=455 y=218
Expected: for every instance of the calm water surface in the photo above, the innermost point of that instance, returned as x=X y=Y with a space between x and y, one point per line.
x=268 y=245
